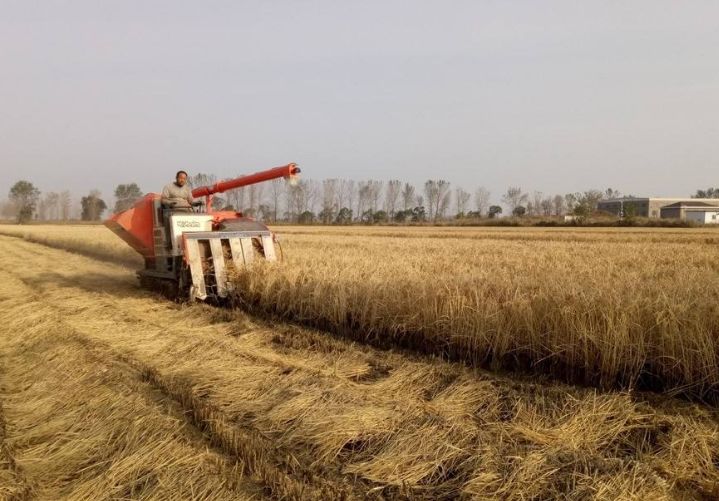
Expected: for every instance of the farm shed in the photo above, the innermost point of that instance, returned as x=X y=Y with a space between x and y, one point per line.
x=654 y=207
x=692 y=210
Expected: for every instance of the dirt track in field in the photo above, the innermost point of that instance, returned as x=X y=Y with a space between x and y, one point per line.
x=108 y=391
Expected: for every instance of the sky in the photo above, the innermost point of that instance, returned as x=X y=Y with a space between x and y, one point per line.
x=553 y=96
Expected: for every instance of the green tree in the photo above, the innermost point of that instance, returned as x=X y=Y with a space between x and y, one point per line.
x=419 y=214
x=708 y=193
x=494 y=211
x=344 y=216
x=25 y=197
x=126 y=195
x=306 y=217
x=402 y=215
x=519 y=211
x=92 y=206
x=380 y=216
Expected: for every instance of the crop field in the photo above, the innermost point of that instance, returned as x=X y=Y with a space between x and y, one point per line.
x=428 y=363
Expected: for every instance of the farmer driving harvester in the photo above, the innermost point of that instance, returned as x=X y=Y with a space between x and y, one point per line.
x=177 y=195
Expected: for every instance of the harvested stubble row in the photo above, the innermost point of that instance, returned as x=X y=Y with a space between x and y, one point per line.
x=608 y=308
x=303 y=414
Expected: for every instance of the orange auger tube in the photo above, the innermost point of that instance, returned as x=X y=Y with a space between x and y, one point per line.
x=289 y=170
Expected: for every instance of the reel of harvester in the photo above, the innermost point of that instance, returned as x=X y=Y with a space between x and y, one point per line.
x=191 y=255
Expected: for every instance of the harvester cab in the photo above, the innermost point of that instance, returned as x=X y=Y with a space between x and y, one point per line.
x=190 y=254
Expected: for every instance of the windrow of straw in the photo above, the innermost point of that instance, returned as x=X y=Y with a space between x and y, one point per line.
x=94 y=241
x=612 y=310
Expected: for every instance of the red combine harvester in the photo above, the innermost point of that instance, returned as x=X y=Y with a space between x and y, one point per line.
x=188 y=254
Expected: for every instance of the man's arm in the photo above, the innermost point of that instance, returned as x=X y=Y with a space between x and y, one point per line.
x=165 y=199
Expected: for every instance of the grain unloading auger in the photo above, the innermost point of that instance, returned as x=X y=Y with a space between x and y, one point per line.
x=189 y=254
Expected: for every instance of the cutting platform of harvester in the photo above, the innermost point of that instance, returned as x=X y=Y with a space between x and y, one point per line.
x=188 y=254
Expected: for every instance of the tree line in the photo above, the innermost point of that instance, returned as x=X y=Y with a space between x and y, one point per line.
x=329 y=201
x=25 y=202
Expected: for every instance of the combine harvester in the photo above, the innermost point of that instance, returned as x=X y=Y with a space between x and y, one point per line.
x=187 y=254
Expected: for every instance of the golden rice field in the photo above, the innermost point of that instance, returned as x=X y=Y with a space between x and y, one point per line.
x=612 y=308
x=111 y=392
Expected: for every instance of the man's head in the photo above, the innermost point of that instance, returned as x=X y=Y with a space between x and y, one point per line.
x=181 y=178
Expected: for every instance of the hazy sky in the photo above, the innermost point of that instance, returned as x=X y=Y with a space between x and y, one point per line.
x=551 y=96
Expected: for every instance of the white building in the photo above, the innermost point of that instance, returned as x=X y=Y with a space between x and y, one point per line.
x=710 y=216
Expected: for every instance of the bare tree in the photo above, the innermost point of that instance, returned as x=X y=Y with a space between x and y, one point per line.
x=254 y=195
x=546 y=206
x=42 y=209
x=462 y=200
x=293 y=199
x=345 y=193
x=394 y=187
x=570 y=202
x=277 y=187
x=431 y=192
x=47 y=208
x=438 y=197
x=353 y=194
x=514 y=197
x=312 y=195
x=330 y=189
x=375 y=193
x=408 y=196
x=64 y=203
x=558 y=203
x=52 y=199
x=363 y=198
x=237 y=198
x=536 y=203
x=300 y=198
x=445 y=199
x=481 y=200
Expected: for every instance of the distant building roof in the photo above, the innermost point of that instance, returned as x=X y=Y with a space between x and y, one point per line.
x=692 y=204
x=712 y=202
